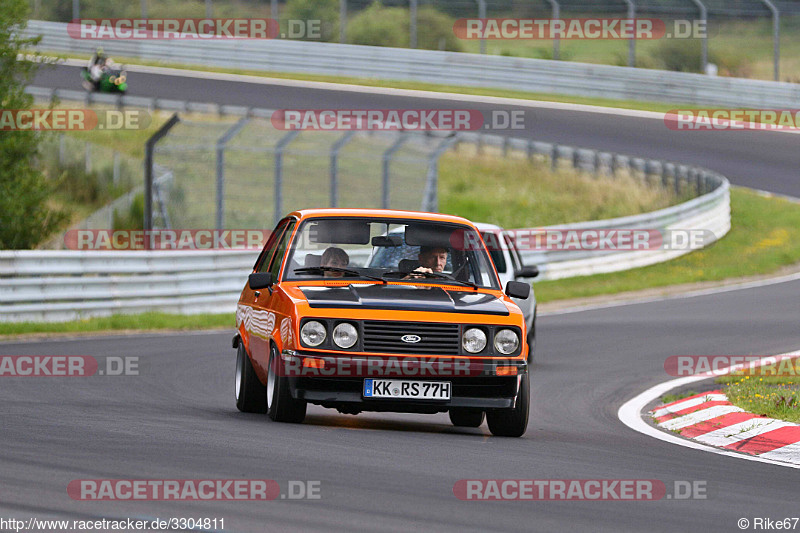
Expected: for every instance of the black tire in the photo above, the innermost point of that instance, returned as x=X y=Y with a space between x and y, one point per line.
x=251 y=395
x=512 y=422
x=281 y=407
x=465 y=417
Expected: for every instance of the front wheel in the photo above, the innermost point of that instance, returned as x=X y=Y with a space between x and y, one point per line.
x=468 y=418
x=281 y=407
x=251 y=395
x=512 y=422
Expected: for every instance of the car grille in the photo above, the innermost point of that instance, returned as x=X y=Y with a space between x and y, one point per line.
x=437 y=339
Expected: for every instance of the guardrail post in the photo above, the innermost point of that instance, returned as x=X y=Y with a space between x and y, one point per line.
x=279 y=148
x=335 y=149
x=576 y=159
x=387 y=159
x=144 y=9
x=61 y=149
x=209 y=9
x=596 y=164
x=76 y=9
x=529 y=149
x=430 y=200
x=342 y=21
x=115 y=174
x=506 y=141
x=221 y=143
x=149 y=148
x=776 y=37
x=87 y=157
x=554 y=157
x=412 y=30
x=482 y=15
x=555 y=16
x=273 y=10
x=704 y=18
x=632 y=40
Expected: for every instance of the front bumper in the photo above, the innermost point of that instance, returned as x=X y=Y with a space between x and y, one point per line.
x=478 y=387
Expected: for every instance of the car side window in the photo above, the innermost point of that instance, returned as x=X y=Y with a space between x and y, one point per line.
x=495 y=250
x=263 y=261
x=512 y=251
x=280 y=251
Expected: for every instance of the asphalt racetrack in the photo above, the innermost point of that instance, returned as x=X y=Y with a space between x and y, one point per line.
x=392 y=472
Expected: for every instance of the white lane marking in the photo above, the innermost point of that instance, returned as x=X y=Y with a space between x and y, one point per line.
x=790 y=452
x=686 y=404
x=690 y=294
x=741 y=431
x=630 y=414
x=699 y=416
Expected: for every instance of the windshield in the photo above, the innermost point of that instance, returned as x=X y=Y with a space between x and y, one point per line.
x=414 y=251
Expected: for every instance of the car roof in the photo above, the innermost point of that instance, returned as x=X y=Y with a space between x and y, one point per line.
x=485 y=226
x=379 y=213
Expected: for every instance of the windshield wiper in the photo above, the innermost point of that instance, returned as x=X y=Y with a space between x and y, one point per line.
x=309 y=270
x=440 y=275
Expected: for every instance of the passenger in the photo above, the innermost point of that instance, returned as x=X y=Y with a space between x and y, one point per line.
x=334 y=257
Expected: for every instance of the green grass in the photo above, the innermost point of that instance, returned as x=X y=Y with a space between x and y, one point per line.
x=764 y=236
x=669 y=398
x=513 y=192
x=771 y=396
x=138 y=322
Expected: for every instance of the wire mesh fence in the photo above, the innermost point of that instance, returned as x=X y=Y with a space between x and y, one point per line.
x=246 y=173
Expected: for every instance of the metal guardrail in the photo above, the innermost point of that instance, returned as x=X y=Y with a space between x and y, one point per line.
x=534 y=75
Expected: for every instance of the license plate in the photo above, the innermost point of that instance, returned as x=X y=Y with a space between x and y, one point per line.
x=405 y=389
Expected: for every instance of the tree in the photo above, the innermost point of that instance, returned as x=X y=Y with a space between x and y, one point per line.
x=25 y=218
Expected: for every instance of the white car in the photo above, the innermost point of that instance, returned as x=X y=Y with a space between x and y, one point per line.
x=510 y=267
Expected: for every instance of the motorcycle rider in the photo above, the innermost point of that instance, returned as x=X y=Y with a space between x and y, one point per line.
x=97 y=65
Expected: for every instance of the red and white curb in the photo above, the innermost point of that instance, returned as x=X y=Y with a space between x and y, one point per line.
x=632 y=414
x=711 y=419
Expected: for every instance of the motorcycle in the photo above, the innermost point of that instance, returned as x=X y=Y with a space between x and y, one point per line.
x=112 y=80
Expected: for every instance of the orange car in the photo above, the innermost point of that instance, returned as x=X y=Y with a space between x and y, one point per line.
x=378 y=310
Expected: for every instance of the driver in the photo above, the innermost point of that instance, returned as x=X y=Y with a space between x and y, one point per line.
x=431 y=259
x=334 y=257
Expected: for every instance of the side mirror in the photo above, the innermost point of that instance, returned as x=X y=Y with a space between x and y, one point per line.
x=260 y=280
x=529 y=271
x=518 y=289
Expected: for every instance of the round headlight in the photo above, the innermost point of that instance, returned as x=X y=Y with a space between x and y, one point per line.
x=345 y=335
x=474 y=340
x=506 y=341
x=313 y=333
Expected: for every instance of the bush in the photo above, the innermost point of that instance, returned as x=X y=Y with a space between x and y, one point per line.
x=379 y=26
x=24 y=191
x=435 y=29
x=389 y=26
x=326 y=11
x=680 y=55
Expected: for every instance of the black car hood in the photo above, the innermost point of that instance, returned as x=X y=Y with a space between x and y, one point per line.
x=404 y=298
